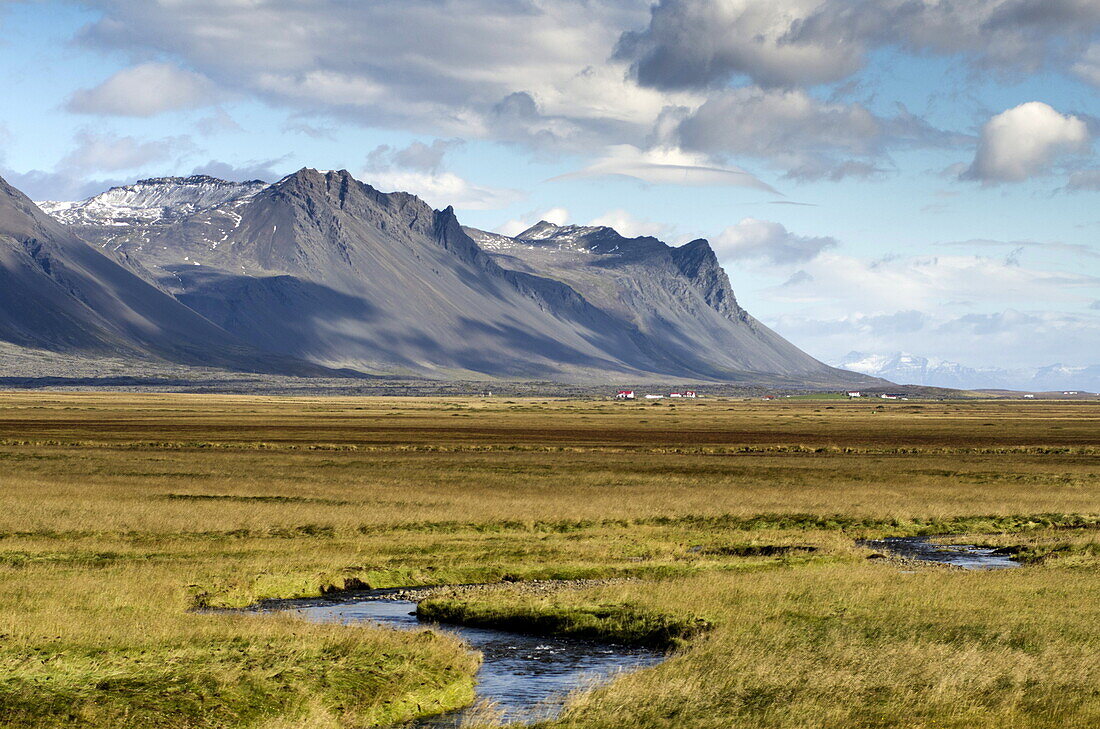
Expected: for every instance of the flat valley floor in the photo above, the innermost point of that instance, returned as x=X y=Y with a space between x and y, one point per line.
x=125 y=519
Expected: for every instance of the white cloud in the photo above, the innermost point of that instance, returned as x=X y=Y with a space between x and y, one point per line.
x=440 y=189
x=538 y=73
x=557 y=216
x=810 y=139
x=1005 y=338
x=1088 y=66
x=957 y=307
x=418 y=168
x=848 y=284
x=108 y=152
x=700 y=43
x=219 y=122
x=57 y=185
x=145 y=90
x=1026 y=141
x=416 y=156
x=769 y=241
x=630 y=226
x=666 y=166
x=268 y=170
x=444 y=68
x=703 y=43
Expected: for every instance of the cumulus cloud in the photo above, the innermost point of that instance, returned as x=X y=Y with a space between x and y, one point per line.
x=267 y=170
x=145 y=90
x=464 y=68
x=444 y=188
x=107 y=152
x=703 y=43
x=957 y=307
x=1005 y=338
x=811 y=139
x=928 y=283
x=537 y=73
x=515 y=226
x=769 y=241
x=631 y=226
x=418 y=168
x=555 y=75
x=666 y=165
x=57 y=184
x=1026 y=141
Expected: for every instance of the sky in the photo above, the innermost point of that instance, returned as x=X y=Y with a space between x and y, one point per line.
x=874 y=175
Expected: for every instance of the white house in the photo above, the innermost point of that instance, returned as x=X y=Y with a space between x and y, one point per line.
x=854 y=393
x=654 y=397
x=625 y=395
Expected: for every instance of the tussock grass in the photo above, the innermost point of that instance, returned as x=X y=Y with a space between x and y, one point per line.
x=611 y=622
x=119 y=514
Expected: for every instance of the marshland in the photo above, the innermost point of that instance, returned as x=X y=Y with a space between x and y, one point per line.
x=724 y=532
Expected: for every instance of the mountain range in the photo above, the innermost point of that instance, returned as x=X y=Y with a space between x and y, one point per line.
x=915 y=370
x=319 y=272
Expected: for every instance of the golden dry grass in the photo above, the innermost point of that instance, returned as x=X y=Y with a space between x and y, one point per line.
x=119 y=512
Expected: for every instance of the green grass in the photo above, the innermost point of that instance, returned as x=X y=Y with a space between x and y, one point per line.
x=736 y=522
x=612 y=622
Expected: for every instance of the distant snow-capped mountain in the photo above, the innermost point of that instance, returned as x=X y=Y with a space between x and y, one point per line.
x=153 y=201
x=909 y=369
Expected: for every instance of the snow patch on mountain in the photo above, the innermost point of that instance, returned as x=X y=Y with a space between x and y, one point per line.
x=157 y=200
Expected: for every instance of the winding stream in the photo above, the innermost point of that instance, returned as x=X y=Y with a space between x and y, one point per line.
x=967 y=556
x=528 y=678
x=525 y=678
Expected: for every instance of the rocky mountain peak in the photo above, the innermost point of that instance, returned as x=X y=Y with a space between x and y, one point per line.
x=597 y=239
x=152 y=201
x=340 y=189
x=190 y=180
x=327 y=268
x=697 y=261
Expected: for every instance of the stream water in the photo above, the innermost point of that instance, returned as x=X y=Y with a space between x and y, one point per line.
x=528 y=678
x=525 y=678
x=967 y=556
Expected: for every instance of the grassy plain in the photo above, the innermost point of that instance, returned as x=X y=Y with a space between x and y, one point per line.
x=121 y=514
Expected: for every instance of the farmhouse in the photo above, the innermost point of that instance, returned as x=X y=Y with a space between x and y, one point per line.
x=894 y=396
x=625 y=395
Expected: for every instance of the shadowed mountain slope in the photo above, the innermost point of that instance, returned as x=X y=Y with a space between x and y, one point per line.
x=322 y=267
x=680 y=299
x=58 y=293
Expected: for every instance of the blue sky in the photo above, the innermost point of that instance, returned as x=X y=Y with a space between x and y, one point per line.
x=875 y=175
